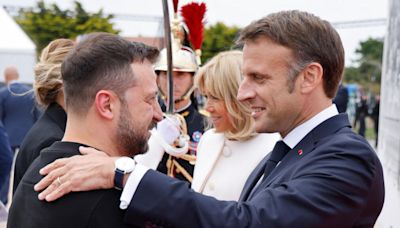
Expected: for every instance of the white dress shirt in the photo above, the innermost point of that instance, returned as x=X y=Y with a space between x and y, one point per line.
x=297 y=134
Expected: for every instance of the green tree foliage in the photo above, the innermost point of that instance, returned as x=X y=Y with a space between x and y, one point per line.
x=352 y=75
x=371 y=49
x=371 y=52
x=217 y=38
x=45 y=23
x=369 y=65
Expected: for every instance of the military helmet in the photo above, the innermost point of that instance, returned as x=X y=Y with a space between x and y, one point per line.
x=183 y=58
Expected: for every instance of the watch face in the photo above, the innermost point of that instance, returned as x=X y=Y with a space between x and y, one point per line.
x=125 y=164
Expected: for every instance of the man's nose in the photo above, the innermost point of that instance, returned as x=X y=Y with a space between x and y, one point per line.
x=157 y=113
x=245 y=92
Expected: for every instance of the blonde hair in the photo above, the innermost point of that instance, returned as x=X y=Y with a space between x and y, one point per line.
x=221 y=77
x=48 y=82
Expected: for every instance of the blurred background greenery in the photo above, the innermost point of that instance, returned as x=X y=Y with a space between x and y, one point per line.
x=46 y=22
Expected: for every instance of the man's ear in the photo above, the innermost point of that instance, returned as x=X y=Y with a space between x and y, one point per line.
x=105 y=104
x=311 y=77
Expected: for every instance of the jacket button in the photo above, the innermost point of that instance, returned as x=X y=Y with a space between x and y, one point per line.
x=211 y=186
x=226 y=152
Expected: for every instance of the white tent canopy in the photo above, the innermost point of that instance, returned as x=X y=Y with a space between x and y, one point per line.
x=16 y=48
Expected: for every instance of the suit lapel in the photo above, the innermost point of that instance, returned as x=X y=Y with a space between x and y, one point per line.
x=253 y=179
x=299 y=151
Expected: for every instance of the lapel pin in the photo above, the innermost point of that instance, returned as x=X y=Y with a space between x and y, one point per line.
x=300 y=152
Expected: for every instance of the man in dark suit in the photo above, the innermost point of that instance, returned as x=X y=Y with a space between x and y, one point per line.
x=18 y=113
x=341 y=99
x=361 y=113
x=321 y=174
x=5 y=156
x=107 y=81
x=375 y=117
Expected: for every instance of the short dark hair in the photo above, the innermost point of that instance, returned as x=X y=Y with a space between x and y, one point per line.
x=101 y=61
x=310 y=38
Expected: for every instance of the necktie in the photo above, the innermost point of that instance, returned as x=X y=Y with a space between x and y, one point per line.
x=279 y=151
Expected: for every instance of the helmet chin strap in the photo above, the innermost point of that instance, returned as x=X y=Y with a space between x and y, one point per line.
x=186 y=95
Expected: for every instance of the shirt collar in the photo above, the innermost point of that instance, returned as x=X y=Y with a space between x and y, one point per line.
x=298 y=133
x=184 y=108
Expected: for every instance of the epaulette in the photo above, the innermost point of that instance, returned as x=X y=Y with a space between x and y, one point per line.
x=185 y=113
x=204 y=112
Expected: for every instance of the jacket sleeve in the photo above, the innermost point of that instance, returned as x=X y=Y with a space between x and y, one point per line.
x=328 y=191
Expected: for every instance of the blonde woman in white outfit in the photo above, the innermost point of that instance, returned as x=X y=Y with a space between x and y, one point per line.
x=227 y=153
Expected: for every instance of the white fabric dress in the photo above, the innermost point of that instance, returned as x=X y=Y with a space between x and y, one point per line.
x=223 y=166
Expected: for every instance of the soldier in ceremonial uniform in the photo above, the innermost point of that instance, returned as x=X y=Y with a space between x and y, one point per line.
x=185 y=63
x=184 y=68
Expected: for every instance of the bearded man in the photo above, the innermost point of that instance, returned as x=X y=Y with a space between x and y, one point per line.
x=111 y=98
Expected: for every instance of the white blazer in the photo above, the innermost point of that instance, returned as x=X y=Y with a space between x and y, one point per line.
x=223 y=166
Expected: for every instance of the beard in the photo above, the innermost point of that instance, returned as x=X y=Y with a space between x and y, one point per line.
x=131 y=139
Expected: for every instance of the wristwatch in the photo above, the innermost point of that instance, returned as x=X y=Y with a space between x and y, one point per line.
x=123 y=165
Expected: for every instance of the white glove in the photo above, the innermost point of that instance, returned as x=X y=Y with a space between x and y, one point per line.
x=168 y=129
x=168 y=132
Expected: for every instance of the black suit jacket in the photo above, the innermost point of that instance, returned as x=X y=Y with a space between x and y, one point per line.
x=332 y=178
x=48 y=129
x=79 y=209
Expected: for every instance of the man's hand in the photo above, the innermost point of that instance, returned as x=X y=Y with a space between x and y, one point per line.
x=93 y=170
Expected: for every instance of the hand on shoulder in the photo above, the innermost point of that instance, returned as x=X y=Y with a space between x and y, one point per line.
x=92 y=170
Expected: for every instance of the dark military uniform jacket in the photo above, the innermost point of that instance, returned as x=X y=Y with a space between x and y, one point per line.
x=195 y=125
